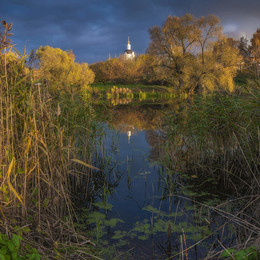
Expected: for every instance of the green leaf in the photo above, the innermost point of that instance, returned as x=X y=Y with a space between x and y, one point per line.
x=16 y=240
x=3 y=251
x=119 y=234
x=96 y=217
x=45 y=203
x=227 y=252
x=11 y=246
x=143 y=237
x=103 y=205
x=113 y=221
x=14 y=256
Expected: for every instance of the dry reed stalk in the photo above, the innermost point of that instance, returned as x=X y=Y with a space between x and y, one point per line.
x=186 y=251
x=226 y=249
x=35 y=161
x=181 y=253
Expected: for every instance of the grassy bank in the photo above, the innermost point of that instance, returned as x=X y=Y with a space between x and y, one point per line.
x=131 y=94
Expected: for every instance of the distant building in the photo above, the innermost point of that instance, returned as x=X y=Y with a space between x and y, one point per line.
x=128 y=53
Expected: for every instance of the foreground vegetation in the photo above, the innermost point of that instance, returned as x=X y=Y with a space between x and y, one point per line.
x=46 y=154
x=39 y=132
x=212 y=146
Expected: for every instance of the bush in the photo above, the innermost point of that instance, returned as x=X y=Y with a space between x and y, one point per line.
x=11 y=249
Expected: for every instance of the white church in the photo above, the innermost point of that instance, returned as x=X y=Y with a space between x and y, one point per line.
x=128 y=53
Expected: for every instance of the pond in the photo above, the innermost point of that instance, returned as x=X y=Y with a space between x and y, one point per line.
x=152 y=201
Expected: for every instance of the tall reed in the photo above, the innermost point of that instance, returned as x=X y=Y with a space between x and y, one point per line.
x=217 y=137
x=37 y=145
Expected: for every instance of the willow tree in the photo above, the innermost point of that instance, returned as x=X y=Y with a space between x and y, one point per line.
x=173 y=47
x=222 y=61
x=184 y=53
x=59 y=68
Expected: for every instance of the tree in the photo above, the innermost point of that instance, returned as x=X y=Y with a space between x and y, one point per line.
x=99 y=70
x=251 y=58
x=255 y=44
x=173 y=47
x=255 y=52
x=120 y=70
x=244 y=48
x=58 y=67
x=185 y=52
x=209 y=30
x=221 y=64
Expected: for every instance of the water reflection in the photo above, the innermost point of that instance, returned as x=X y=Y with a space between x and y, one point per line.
x=167 y=189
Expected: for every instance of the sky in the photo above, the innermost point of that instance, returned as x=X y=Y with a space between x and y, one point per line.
x=93 y=29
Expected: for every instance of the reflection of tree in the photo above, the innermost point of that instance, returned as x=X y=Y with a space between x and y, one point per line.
x=212 y=160
x=120 y=101
x=155 y=141
x=140 y=117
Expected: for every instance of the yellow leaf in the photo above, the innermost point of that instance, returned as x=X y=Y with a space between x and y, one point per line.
x=9 y=183
x=1 y=211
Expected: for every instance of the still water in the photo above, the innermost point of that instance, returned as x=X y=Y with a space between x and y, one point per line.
x=147 y=206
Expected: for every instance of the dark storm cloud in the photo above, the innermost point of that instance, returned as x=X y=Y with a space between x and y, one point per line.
x=95 y=28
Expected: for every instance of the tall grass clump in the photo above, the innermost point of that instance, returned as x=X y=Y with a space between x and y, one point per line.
x=39 y=139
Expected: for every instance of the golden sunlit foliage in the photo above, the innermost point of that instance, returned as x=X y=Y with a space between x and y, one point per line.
x=191 y=53
x=38 y=149
x=11 y=61
x=219 y=66
x=255 y=44
x=121 y=71
x=60 y=69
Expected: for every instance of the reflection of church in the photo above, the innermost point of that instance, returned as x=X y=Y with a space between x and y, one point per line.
x=131 y=130
x=128 y=53
x=129 y=133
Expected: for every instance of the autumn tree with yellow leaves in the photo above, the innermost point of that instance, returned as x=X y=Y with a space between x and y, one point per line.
x=192 y=54
x=59 y=68
x=121 y=71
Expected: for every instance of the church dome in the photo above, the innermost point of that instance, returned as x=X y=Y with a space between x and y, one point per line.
x=128 y=53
